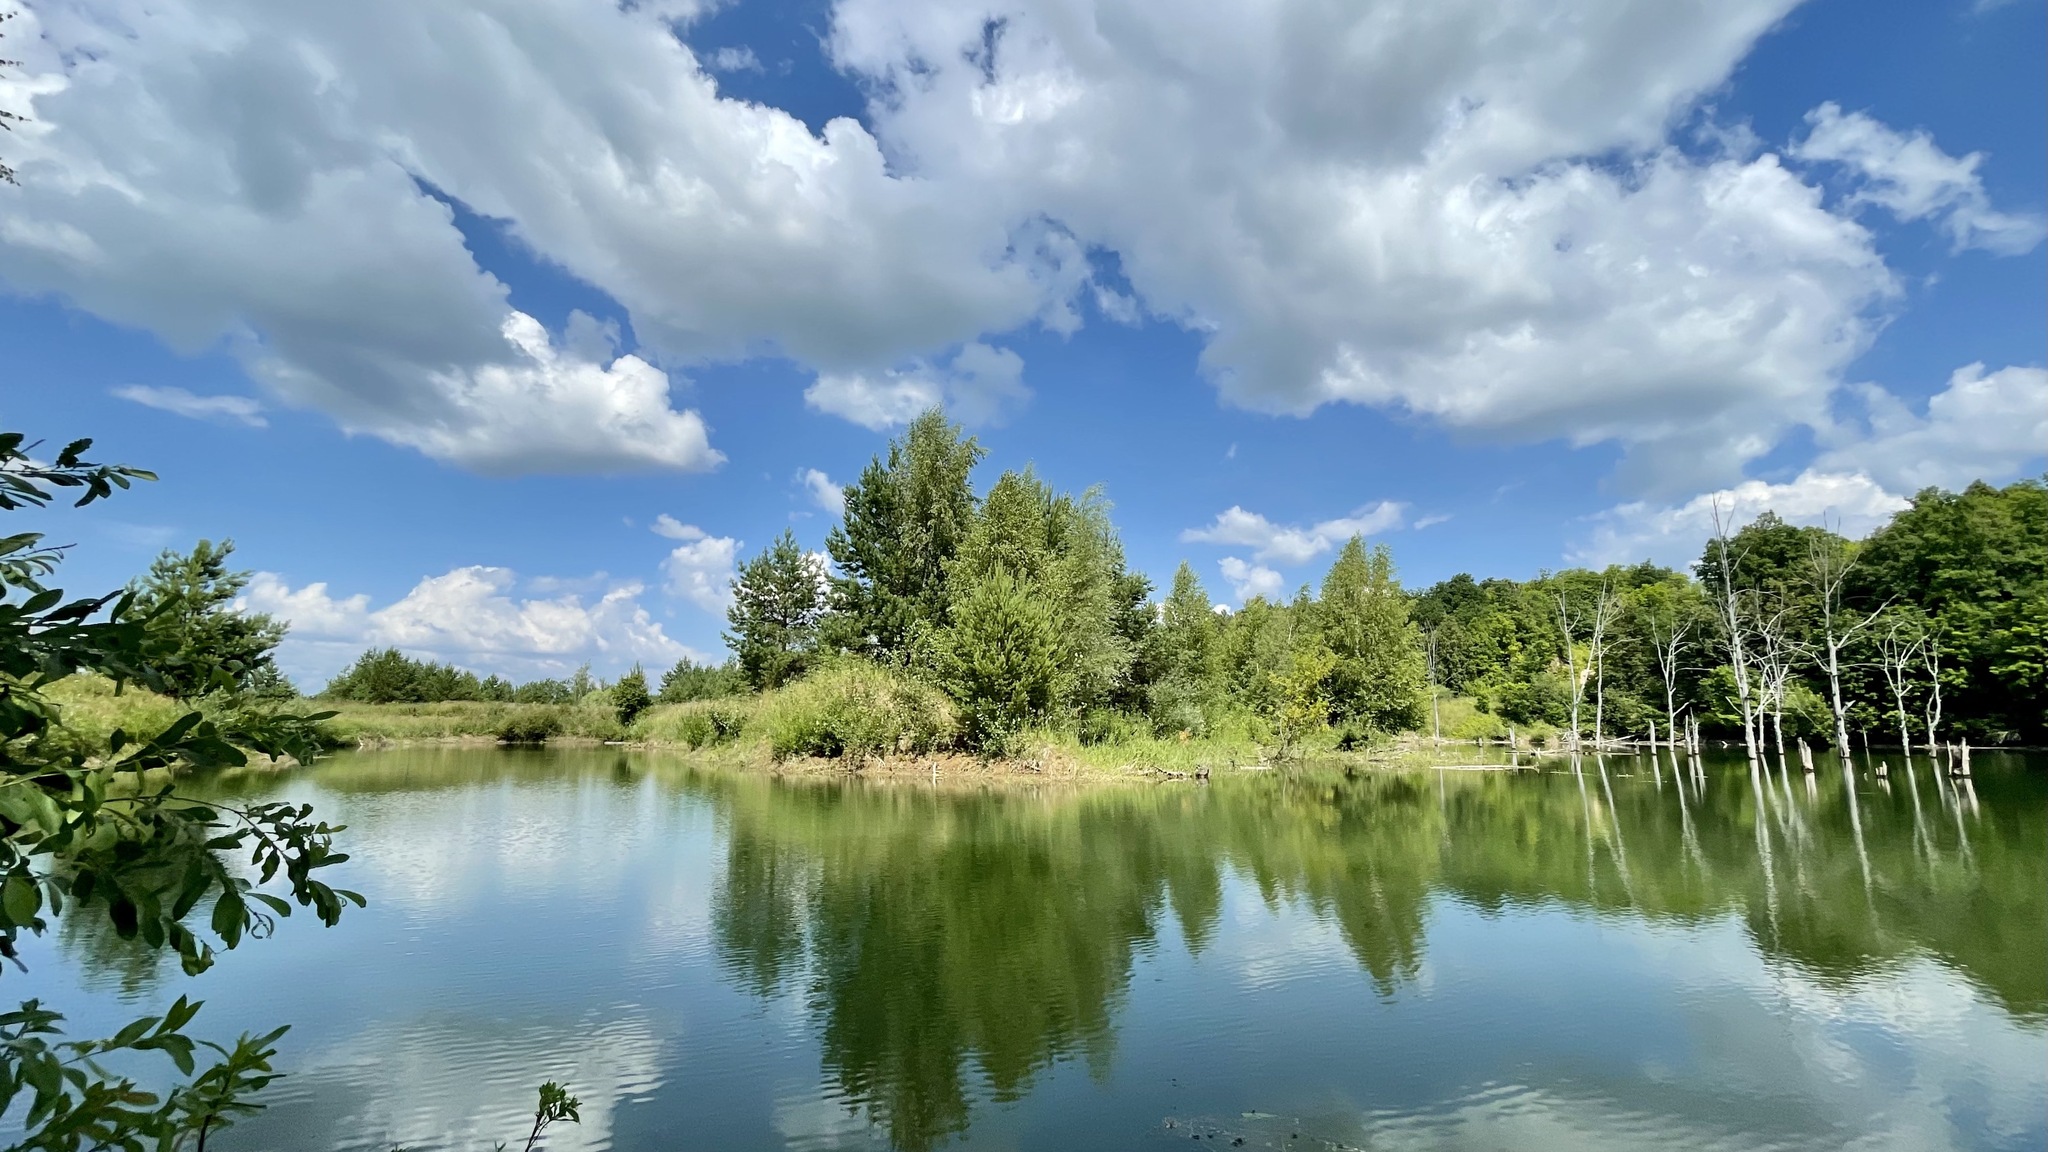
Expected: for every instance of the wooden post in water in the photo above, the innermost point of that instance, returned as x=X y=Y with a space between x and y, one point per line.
x=1805 y=757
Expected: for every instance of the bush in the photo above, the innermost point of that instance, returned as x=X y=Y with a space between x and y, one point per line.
x=530 y=725
x=856 y=710
x=698 y=724
x=629 y=696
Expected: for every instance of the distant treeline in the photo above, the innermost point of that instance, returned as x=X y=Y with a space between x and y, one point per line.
x=1018 y=604
x=388 y=676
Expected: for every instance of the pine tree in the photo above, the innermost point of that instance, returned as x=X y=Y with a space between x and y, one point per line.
x=999 y=658
x=629 y=695
x=1362 y=617
x=904 y=521
x=1184 y=659
x=777 y=603
x=188 y=602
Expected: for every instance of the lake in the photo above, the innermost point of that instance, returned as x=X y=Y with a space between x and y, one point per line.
x=1619 y=957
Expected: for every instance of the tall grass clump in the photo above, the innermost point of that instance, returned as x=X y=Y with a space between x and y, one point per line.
x=856 y=710
x=696 y=724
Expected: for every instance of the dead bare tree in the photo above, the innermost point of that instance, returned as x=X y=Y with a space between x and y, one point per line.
x=1731 y=613
x=1668 y=627
x=1603 y=615
x=1829 y=562
x=1930 y=660
x=1776 y=658
x=1898 y=651
x=1569 y=620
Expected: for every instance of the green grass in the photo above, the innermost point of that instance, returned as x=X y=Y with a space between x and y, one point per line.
x=468 y=720
x=847 y=709
x=89 y=711
x=699 y=723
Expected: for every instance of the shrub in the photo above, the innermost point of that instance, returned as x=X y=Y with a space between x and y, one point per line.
x=629 y=696
x=698 y=724
x=530 y=725
x=856 y=710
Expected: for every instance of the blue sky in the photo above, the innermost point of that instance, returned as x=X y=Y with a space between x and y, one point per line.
x=439 y=307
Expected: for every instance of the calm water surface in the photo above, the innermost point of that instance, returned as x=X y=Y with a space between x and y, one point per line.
x=1611 y=959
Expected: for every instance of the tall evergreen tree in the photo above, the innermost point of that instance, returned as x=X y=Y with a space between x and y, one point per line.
x=999 y=656
x=776 y=606
x=1184 y=659
x=206 y=644
x=1362 y=616
x=905 y=518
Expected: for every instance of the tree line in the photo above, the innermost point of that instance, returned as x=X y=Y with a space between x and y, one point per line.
x=1019 y=604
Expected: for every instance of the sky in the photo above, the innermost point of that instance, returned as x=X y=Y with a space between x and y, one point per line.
x=500 y=330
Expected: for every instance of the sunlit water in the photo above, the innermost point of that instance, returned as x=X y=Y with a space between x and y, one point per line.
x=1616 y=958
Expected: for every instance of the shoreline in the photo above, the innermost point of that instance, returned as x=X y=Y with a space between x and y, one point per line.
x=1048 y=764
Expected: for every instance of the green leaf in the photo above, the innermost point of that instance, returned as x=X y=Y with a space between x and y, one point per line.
x=21 y=898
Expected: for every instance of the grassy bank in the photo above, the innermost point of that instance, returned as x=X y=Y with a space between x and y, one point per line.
x=849 y=715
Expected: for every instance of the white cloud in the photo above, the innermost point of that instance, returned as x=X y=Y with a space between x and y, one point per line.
x=552 y=412
x=1980 y=426
x=1249 y=580
x=178 y=401
x=734 y=60
x=311 y=610
x=1910 y=176
x=825 y=492
x=1378 y=203
x=276 y=199
x=1286 y=544
x=701 y=572
x=1850 y=503
x=468 y=616
x=980 y=386
x=674 y=529
x=1389 y=204
x=1431 y=520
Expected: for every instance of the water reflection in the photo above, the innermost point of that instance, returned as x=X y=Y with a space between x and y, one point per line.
x=1589 y=955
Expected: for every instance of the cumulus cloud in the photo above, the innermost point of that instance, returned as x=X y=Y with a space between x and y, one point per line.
x=468 y=616
x=674 y=529
x=1287 y=544
x=826 y=493
x=1379 y=203
x=979 y=386
x=178 y=401
x=1910 y=176
x=1850 y=503
x=701 y=571
x=551 y=411
x=1248 y=580
x=264 y=175
x=1982 y=426
x=740 y=59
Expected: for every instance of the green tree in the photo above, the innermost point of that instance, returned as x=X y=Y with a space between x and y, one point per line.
x=206 y=644
x=904 y=520
x=1363 y=620
x=1185 y=657
x=1975 y=563
x=689 y=680
x=1301 y=697
x=999 y=658
x=1062 y=551
x=103 y=831
x=630 y=697
x=774 y=615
